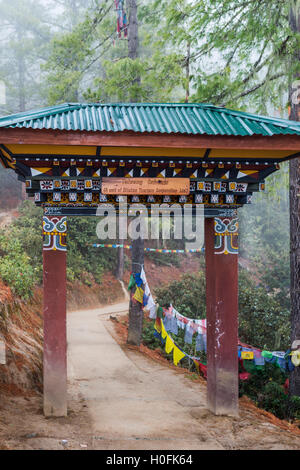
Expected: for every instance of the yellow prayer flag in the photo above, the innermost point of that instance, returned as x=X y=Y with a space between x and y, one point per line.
x=163 y=330
x=247 y=355
x=169 y=345
x=177 y=355
x=139 y=295
x=295 y=358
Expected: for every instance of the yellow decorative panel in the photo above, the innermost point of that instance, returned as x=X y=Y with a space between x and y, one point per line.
x=151 y=152
x=235 y=154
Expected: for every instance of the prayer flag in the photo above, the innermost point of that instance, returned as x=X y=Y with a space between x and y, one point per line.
x=295 y=358
x=131 y=282
x=177 y=355
x=247 y=355
x=157 y=325
x=163 y=330
x=139 y=295
x=169 y=345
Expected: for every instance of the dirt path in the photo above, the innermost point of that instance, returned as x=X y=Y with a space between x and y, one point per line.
x=133 y=402
x=121 y=399
x=137 y=403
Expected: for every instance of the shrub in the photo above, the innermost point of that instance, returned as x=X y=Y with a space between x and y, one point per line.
x=260 y=316
x=187 y=295
x=15 y=268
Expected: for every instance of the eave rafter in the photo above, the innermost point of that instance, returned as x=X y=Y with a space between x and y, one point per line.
x=132 y=139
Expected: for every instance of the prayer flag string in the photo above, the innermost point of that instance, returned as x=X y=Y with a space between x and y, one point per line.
x=156 y=250
x=168 y=319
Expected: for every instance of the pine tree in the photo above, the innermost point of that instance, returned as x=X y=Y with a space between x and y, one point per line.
x=246 y=54
x=92 y=63
x=136 y=315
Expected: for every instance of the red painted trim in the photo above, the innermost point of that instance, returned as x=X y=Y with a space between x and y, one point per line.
x=55 y=338
x=132 y=139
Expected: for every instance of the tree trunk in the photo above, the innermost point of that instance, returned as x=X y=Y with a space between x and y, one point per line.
x=136 y=313
x=187 y=73
x=120 y=266
x=133 y=44
x=133 y=36
x=295 y=265
x=295 y=218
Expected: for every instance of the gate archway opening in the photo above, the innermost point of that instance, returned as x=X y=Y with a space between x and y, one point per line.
x=74 y=158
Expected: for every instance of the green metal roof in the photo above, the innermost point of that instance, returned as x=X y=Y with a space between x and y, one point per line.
x=192 y=118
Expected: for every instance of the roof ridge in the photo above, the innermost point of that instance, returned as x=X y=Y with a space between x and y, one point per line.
x=120 y=103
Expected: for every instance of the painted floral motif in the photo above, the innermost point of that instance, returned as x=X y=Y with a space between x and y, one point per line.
x=56 y=196
x=65 y=185
x=88 y=197
x=72 y=197
x=226 y=236
x=54 y=232
x=73 y=184
x=46 y=185
x=88 y=184
x=80 y=185
x=96 y=185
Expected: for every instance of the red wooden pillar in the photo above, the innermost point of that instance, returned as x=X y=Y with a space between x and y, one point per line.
x=222 y=314
x=55 y=341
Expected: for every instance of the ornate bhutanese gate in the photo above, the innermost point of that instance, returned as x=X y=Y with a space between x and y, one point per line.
x=63 y=153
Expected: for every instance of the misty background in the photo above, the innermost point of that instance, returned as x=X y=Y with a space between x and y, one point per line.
x=58 y=51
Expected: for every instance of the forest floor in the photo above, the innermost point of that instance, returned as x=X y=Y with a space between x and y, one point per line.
x=122 y=397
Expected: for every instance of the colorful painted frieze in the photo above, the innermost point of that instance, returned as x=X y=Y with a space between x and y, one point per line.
x=226 y=236
x=54 y=233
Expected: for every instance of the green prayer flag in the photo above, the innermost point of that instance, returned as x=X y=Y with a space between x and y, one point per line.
x=267 y=354
x=131 y=282
x=160 y=312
